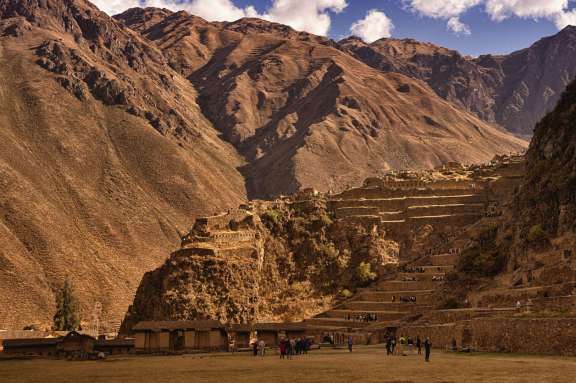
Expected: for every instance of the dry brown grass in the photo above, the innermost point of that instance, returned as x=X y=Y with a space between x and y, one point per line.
x=364 y=365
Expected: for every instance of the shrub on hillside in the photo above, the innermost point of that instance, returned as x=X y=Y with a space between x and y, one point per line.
x=364 y=273
x=537 y=235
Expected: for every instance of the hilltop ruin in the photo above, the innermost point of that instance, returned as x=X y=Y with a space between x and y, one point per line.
x=295 y=257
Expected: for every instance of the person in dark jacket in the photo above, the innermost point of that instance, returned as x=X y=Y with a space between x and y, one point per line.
x=350 y=343
x=427 y=348
x=419 y=344
x=255 y=348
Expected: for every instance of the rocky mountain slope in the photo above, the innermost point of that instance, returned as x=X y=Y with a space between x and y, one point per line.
x=116 y=133
x=104 y=159
x=514 y=91
x=287 y=100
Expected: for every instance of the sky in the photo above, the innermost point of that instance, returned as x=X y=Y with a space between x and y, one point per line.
x=473 y=27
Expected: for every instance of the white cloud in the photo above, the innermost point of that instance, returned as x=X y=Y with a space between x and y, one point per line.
x=564 y=19
x=498 y=10
x=455 y=25
x=305 y=15
x=502 y=9
x=450 y=10
x=441 y=9
x=374 y=26
x=113 y=7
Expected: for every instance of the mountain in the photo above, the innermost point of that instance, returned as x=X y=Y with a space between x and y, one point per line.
x=514 y=91
x=548 y=195
x=116 y=134
x=303 y=113
x=104 y=159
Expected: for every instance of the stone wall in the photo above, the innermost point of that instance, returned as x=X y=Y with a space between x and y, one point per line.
x=525 y=335
x=441 y=335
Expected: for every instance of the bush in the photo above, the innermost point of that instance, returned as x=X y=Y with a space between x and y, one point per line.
x=271 y=217
x=480 y=263
x=364 y=273
x=345 y=293
x=450 y=304
x=537 y=235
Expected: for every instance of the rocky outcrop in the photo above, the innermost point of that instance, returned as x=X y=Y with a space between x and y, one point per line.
x=514 y=91
x=548 y=195
x=238 y=268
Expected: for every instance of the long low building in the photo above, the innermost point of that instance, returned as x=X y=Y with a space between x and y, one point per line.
x=73 y=344
x=179 y=336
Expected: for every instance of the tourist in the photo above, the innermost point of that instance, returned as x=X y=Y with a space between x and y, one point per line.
x=292 y=348
x=283 y=348
x=419 y=344
x=427 y=348
x=255 y=348
x=393 y=344
x=388 y=345
x=350 y=343
x=410 y=342
x=262 y=347
x=401 y=345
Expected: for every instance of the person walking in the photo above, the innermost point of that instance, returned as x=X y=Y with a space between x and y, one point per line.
x=388 y=345
x=410 y=342
x=291 y=348
x=262 y=347
x=393 y=344
x=350 y=343
x=419 y=344
x=255 y=347
x=427 y=348
x=283 y=348
x=401 y=345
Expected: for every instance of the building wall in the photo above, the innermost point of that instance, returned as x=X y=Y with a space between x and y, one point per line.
x=190 y=340
x=140 y=339
x=270 y=337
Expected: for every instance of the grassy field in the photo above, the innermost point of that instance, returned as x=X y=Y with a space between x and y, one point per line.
x=364 y=365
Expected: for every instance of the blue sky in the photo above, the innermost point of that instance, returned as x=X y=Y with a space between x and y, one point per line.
x=472 y=27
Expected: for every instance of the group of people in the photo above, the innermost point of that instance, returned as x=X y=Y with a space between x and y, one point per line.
x=412 y=269
x=363 y=317
x=405 y=346
x=404 y=299
x=290 y=347
x=259 y=348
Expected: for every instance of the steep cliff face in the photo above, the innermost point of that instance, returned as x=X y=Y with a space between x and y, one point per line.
x=548 y=196
x=287 y=100
x=104 y=158
x=514 y=91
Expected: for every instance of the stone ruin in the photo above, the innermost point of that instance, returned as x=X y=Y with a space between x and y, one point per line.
x=235 y=232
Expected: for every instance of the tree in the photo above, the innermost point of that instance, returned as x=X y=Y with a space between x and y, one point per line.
x=66 y=317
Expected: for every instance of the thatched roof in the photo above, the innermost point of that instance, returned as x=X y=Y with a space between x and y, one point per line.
x=177 y=325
